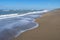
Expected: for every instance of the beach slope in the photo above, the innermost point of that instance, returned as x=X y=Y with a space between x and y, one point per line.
x=49 y=28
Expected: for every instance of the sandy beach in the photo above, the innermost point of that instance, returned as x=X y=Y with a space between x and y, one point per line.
x=49 y=28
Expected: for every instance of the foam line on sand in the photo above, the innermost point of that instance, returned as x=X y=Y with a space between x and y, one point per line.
x=27 y=30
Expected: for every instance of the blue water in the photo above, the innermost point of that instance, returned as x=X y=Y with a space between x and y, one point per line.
x=13 y=25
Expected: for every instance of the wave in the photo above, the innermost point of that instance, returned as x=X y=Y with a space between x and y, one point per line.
x=13 y=25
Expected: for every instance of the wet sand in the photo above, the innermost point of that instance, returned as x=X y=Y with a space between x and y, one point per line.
x=49 y=28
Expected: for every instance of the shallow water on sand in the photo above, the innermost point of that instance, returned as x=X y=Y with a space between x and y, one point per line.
x=13 y=25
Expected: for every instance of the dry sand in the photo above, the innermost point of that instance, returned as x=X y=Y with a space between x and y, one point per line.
x=49 y=28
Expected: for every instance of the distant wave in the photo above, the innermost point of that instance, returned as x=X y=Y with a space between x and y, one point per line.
x=16 y=14
x=12 y=25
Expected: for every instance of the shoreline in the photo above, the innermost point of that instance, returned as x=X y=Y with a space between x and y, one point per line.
x=48 y=29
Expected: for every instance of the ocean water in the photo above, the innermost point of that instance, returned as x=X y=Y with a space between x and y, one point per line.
x=12 y=25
